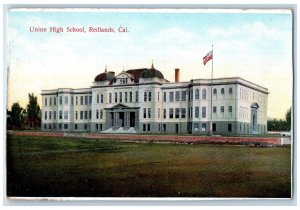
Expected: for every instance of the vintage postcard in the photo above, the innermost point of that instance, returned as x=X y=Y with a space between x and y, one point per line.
x=149 y=103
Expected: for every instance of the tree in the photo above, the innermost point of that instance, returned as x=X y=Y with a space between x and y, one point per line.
x=288 y=118
x=15 y=115
x=33 y=111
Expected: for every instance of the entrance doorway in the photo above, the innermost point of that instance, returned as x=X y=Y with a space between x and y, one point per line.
x=214 y=127
x=121 y=119
x=132 y=119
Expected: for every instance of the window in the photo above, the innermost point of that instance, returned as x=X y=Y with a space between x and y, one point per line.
x=90 y=114
x=165 y=113
x=97 y=114
x=171 y=96
x=165 y=97
x=54 y=101
x=197 y=95
x=100 y=127
x=204 y=94
x=159 y=125
x=97 y=99
x=177 y=96
x=203 y=127
x=130 y=96
x=215 y=91
x=81 y=115
x=191 y=112
x=116 y=97
x=145 y=112
x=66 y=100
x=101 y=114
x=196 y=126
x=148 y=126
x=149 y=96
x=196 y=111
x=65 y=115
x=230 y=90
x=86 y=100
x=101 y=99
x=60 y=115
x=149 y=112
x=110 y=98
x=49 y=126
x=50 y=102
x=136 y=96
x=222 y=109
x=85 y=115
x=45 y=115
x=177 y=113
x=65 y=126
x=214 y=109
x=60 y=126
x=204 y=111
x=229 y=108
x=145 y=96
x=97 y=127
x=229 y=127
x=90 y=99
x=164 y=127
x=60 y=100
x=50 y=115
x=222 y=91
x=121 y=97
x=183 y=112
x=144 y=127
x=72 y=100
x=54 y=115
x=85 y=126
x=126 y=97
x=54 y=126
x=81 y=100
x=46 y=101
x=76 y=100
x=183 y=95
x=76 y=115
x=171 y=113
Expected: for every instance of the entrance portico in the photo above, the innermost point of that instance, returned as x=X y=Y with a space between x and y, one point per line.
x=122 y=116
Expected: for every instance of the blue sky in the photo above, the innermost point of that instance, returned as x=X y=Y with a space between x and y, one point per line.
x=254 y=46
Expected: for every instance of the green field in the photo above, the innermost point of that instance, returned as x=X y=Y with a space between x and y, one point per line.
x=52 y=166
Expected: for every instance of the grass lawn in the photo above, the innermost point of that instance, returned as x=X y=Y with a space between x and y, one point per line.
x=61 y=166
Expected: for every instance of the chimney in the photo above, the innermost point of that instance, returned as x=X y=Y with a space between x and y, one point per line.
x=177 y=75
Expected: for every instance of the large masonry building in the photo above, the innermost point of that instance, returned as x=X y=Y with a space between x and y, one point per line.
x=143 y=101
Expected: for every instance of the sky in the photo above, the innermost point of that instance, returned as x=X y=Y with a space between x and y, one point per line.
x=252 y=45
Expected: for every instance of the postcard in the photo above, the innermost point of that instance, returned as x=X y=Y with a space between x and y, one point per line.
x=149 y=103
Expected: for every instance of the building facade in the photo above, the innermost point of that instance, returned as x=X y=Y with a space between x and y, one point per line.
x=143 y=101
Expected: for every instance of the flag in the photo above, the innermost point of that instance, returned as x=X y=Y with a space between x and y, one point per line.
x=208 y=57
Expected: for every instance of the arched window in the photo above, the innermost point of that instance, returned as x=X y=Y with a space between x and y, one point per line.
x=197 y=94
x=222 y=91
x=215 y=91
x=230 y=90
x=149 y=96
x=145 y=96
x=204 y=94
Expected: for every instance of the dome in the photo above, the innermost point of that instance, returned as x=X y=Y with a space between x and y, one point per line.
x=106 y=76
x=150 y=73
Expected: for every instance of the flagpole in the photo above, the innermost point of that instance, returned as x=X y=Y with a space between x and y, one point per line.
x=211 y=90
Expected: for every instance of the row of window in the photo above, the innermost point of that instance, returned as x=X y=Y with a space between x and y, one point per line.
x=65 y=126
x=84 y=100
x=82 y=115
x=128 y=97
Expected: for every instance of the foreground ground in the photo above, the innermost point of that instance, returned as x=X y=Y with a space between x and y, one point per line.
x=60 y=166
